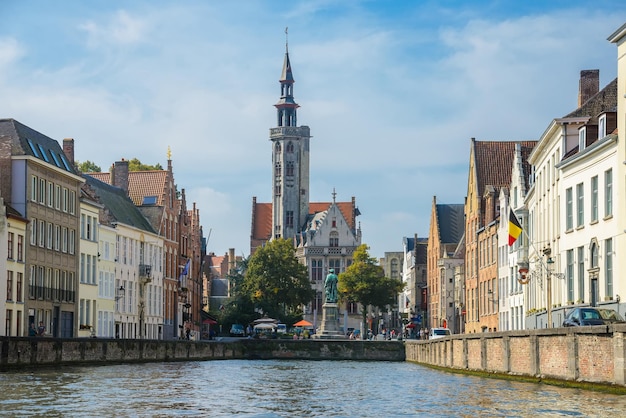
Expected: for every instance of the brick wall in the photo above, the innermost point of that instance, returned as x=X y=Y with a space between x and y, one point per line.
x=589 y=354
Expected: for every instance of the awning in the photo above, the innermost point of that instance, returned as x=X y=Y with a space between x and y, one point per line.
x=209 y=321
x=411 y=325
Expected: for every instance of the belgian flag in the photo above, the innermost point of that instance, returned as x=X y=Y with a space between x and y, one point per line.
x=515 y=229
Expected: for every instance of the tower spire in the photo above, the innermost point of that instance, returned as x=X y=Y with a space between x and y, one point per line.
x=286 y=106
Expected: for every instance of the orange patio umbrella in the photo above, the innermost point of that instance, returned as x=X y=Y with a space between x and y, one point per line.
x=303 y=323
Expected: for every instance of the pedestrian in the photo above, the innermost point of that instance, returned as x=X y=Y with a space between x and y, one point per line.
x=41 y=330
x=32 y=331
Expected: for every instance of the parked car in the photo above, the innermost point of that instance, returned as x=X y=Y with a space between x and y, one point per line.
x=439 y=333
x=591 y=316
x=236 y=330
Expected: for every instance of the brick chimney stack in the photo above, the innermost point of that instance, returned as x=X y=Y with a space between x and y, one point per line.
x=68 y=149
x=588 y=86
x=119 y=175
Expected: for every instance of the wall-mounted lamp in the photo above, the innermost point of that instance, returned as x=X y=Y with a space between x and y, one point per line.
x=120 y=293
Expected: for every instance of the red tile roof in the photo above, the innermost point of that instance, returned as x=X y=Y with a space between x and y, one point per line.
x=141 y=184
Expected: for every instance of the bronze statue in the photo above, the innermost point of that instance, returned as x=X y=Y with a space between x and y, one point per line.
x=330 y=285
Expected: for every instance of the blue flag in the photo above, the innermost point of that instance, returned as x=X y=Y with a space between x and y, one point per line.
x=186 y=269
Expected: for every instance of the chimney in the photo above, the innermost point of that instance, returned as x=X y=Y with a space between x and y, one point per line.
x=120 y=175
x=588 y=86
x=68 y=149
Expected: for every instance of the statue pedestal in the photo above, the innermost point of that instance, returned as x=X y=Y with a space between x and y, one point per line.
x=329 y=329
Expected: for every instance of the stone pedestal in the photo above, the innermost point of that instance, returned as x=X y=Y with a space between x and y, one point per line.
x=329 y=329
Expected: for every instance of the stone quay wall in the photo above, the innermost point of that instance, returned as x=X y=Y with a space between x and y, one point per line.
x=585 y=354
x=18 y=352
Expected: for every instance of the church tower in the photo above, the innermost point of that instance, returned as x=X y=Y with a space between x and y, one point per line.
x=290 y=158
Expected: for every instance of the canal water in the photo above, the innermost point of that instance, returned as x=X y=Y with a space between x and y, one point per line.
x=285 y=388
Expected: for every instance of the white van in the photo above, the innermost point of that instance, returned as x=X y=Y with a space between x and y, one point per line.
x=438 y=333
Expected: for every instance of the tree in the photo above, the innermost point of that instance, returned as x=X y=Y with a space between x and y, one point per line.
x=275 y=280
x=88 y=167
x=136 y=165
x=239 y=309
x=364 y=282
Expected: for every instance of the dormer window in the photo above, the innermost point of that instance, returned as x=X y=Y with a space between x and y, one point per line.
x=602 y=126
x=582 y=138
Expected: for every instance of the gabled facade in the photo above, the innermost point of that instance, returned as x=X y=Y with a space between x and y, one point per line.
x=39 y=181
x=490 y=169
x=88 y=268
x=513 y=259
x=445 y=232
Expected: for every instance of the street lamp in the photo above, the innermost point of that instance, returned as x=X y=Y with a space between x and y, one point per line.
x=550 y=263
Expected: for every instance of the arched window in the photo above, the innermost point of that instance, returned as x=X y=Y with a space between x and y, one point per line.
x=593 y=252
x=289 y=168
x=334 y=239
x=277 y=147
x=278 y=169
x=290 y=147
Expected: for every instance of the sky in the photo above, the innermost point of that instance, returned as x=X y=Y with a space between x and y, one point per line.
x=393 y=92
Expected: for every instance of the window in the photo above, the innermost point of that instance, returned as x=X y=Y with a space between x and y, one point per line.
x=83 y=220
x=601 y=126
x=289 y=219
x=278 y=170
x=581 y=273
x=335 y=264
x=149 y=200
x=57 y=197
x=33 y=188
x=594 y=255
x=580 y=205
x=9 y=285
x=569 y=221
x=72 y=203
x=57 y=237
x=594 y=199
x=289 y=169
x=64 y=239
x=33 y=232
x=608 y=193
x=42 y=233
x=49 y=236
x=82 y=277
x=64 y=200
x=570 y=275
x=71 y=241
x=10 y=246
x=582 y=138
x=18 y=287
x=608 y=266
x=50 y=194
x=42 y=191
x=317 y=270
x=20 y=248
x=290 y=147
x=334 y=239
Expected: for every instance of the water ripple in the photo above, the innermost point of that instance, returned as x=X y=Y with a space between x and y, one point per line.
x=286 y=388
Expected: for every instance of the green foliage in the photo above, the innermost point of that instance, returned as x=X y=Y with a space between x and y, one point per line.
x=276 y=282
x=240 y=308
x=88 y=167
x=136 y=165
x=364 y=282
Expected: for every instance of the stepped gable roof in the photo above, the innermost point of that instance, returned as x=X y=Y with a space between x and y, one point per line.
x=494 y=163
x=27 y=141
x=421 y=251
x=603 y=101
x=142 y=184
x=451 y=222
x=117 y=205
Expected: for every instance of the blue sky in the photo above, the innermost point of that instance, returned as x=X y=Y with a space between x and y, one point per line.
x=392 y=91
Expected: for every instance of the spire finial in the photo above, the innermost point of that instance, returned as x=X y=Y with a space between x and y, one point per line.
x=334 y=195
x=287 y=39
x=169 y=153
